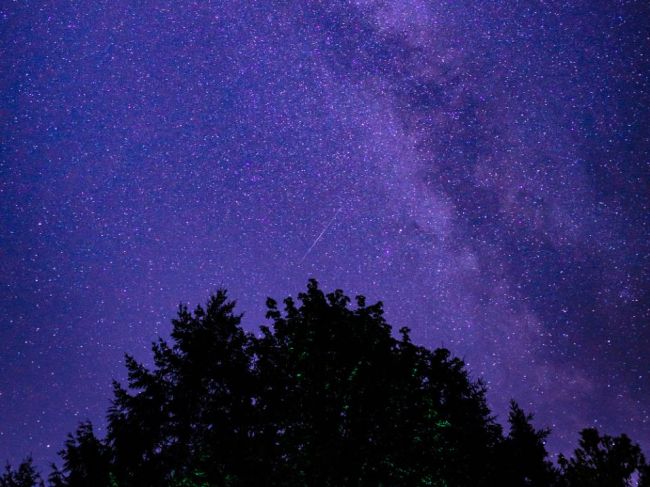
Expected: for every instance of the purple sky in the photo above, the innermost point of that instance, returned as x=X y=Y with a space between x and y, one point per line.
x=483 y=168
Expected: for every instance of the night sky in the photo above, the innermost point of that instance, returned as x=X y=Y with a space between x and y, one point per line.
x=480 y=166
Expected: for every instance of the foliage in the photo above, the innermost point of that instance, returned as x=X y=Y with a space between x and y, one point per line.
x=523 y=453
x=24 y=476
x=604 y=461
x=325 y=395
x=86 y=460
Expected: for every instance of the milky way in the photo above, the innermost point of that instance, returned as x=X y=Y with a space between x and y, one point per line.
x=486 y=164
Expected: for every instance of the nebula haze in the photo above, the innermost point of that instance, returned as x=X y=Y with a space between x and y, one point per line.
x=483 y=167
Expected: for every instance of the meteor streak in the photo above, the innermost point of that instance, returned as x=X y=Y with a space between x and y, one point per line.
x=320 y=235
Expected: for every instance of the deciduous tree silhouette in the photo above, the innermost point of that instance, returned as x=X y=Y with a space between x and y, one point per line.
x=325 y=395
x=604 y=461
x=342 y=402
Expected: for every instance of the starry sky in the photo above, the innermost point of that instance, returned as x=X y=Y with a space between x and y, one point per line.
x=480 y=166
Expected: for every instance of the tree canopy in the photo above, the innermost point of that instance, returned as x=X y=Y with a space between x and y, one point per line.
x=326 y=395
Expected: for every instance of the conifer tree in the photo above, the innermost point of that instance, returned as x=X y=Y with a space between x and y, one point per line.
x=523 y=456
x=86 y=460
x=24 y=476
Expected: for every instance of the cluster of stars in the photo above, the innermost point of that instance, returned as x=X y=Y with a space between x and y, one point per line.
x=485 y=164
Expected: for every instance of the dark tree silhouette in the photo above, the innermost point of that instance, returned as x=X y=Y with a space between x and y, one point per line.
x=604 y=461
x=24 y=476
x=324 y=396
x=342 y=402
x=86 y=460
x=523 y=455
x=194 y=411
